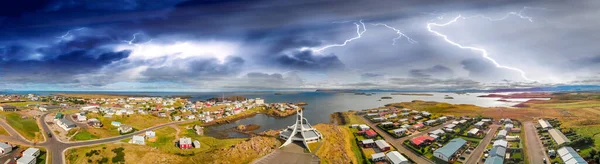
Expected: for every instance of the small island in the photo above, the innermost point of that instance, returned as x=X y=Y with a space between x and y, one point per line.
x=413 y=94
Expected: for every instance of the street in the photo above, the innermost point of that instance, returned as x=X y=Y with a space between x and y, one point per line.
x=476 y=154
x=535 y=150
x=57 y=148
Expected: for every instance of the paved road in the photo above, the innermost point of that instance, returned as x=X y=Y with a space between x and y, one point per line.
x=57 y=148
x=535 y=150
x=476 y=154
x=398 y=142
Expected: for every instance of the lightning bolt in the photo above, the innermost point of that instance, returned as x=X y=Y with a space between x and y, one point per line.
x=69 y=33
x=518 y=14
x=400 y=34
x=132 y=39
x=359 y=34
x=483 y=52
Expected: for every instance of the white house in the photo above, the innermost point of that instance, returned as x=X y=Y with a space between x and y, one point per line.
x=363 y=127
x=501 y=134
x=31 y=152
x=5 y=148
x=377 y=157
x=81 y=118
x=430 y=122
x=26 y=160
x=400 y=131
x=396 y=158
x=137 y=139
x=508 y=126
x=150 y=134
x=545 y=125
x=65 y=124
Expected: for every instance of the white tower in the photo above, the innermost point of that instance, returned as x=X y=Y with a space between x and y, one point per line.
x=301 y=131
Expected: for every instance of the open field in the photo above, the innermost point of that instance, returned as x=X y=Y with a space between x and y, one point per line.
x=164 y=150
x=23 y=104
x=137 y=121
x=91 y=96
x=336 y=146
x=27 y=127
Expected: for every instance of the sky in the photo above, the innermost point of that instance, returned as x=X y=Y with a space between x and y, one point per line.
x=211 y=45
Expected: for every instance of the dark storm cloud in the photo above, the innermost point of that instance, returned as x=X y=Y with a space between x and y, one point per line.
x=307 y=60
x=439 y=71
x=275 y=80
x=57 y=62
x=189 y=69
x=434 y=83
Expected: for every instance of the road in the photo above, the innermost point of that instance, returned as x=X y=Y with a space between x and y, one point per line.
x=535 y=150
x=476 y=154
x=398 y=142
x=57 y=148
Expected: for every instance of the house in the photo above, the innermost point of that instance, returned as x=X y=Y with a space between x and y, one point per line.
x=87 y=108
x=421 y=140
x=450 y=127
x=382 y=145
x=196 y=144
x=544 y=124
x=473 y=132
x=367 y=143
x=417 y=126
x=378 y=119
x=494 y=160
x=150 y=134
x=512 y=138
x=442 y=119
x=497 y=151
x=501 y=134
x=377 y=157
x=387 y=124
x=162 y=114
x=394 y=157
x=447 y=152
x=65 y=124
x=93 y=122
x=185 y=143
x=462 y=122
x=176 y=118
x=506 y=121
x=399 y=131
x=354 y=126
x=370 y=133
x=31 y=152
x=437 y=132
x=115 y=123
x=515 y=130
x=480 y=125
x=191 y=117
x=417 y=117
x=8 y=108
x=501 y=143
x=486 y=120
x=430 y=122
x=137 y=139
x=558 y=136
x=5 y=148
x=404 y=120
x=363 y=127
x=125 y=128
x=425 y=114
x=508 y=126
x=570 y=156
x=372 y=114
x=26 y=160
x=81 y=118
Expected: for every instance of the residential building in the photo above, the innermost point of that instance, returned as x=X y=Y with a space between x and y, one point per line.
x=425 y=114
x=430 y=122
x=137 y=139
x=382 y=145
x=370 y=133
x=558 y=136
x=58 y=116
x=512 y=138
x=115 y=123
x=387 y=124
x=367 y=143
x=81 y=118
x=377 y=157
x=502 y=143
x=508 y=126
x=259 y=101
x=447 y=152
x=65 y=124
x=473 y=132
x=93 y=122
x=570 y=156
x=400 y=131
x=185 y=143
x=421 y=140
x=480 y=125
x=26 y=160
x=150 y=134
x=442 y=119
x=8 y=108
x=125 y=128
x=544 y=124
x=501 y=134
x=31 y=152
x=5 y=148
x=494 y=160
x=437 y=132
x=394 y=157
x=417 y=126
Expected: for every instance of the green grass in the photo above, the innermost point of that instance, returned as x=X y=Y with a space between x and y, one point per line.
x=84 y=135
x=166 y=136
x=27 y=127
x=570 y=105
x=590 y=131
x=42 y=157
x=23 y=104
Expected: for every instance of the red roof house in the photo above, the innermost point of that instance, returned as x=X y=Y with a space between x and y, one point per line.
x=421 y=140
x=370 y=133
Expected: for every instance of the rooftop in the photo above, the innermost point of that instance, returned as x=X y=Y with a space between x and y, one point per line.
x=451 y=148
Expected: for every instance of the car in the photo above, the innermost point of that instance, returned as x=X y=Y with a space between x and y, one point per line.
x=49 y=135
x=544 y=160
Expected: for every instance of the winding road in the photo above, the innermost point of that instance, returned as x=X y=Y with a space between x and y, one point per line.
x=53 y=145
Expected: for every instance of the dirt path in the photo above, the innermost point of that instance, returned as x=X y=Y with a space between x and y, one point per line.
x=478 y=152
x=535 y=150
x=176 y=133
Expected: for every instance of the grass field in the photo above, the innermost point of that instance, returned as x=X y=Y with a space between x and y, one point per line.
x=3 y=131
x=137 y=121
x=26 y=127
x=335 y=147
x=23 y=104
